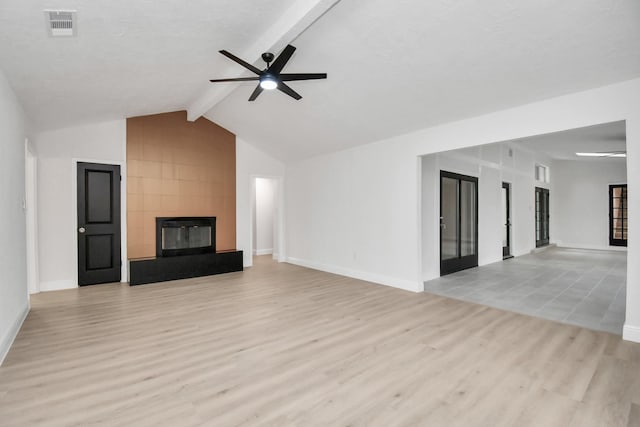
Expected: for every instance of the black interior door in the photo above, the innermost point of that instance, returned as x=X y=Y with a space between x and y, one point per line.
x=506 y=220
x=542 y=217
x=98 y=223
x=458 y=222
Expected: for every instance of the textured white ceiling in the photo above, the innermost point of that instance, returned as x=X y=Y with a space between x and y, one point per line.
x=130 y=57
x=393 y=67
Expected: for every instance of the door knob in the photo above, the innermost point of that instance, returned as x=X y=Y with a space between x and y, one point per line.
x=81 y=230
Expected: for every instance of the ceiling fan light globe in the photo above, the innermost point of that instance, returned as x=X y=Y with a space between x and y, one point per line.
x=268 y=83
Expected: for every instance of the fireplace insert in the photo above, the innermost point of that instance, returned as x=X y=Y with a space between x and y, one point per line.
x=185 y=236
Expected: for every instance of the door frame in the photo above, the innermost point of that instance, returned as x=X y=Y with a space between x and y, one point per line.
x=453 y=175
x=124 y=269
x=507 y=255
x=31 y=217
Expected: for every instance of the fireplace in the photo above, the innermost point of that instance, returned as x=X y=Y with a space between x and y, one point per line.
x=185 y=236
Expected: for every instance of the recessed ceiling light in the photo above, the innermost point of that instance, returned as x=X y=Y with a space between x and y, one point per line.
x=604 y=154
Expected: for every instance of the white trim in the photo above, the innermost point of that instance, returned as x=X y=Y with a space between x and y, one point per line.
x=58 y=285
x=631 y=333
x=124 y=270
x=12 y=333
x=406 y=285
x=259 y=252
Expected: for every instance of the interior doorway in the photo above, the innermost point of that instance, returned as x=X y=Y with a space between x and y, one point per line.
x=265 y=217
x=99 y=230
x=458 y=222
x=542 y=217
x=506 y=220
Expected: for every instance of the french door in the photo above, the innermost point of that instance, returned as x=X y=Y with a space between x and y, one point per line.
x=458 y=222
x=506 y=220
x=618 y=215
x=542 y=217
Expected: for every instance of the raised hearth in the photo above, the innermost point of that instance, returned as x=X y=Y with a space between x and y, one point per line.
x=151 y=270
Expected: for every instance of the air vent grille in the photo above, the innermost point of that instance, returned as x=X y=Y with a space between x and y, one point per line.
x=61 y=23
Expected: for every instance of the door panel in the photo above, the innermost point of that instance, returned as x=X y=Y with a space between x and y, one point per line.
x=449 y=222
x=98 y=223
x=458 y=222
x=468 y=220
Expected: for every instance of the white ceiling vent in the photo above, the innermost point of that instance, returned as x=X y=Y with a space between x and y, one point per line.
x=61 y=23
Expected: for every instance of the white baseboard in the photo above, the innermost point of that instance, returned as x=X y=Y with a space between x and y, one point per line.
x=631 y=333
x=592 y=247
x=393 y=282
x=12 y=333
x=264 y=251
x=57 y=285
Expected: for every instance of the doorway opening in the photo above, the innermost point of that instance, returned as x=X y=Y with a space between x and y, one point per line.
x=264 y=236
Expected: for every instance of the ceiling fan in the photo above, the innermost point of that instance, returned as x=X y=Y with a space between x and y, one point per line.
x=271 y=77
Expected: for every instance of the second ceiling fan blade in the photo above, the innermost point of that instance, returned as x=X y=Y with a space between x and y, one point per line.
x=258 y=90
x=282 y=59
x=302 y=76
x=238 y=79
x=286 y=89
x=241 y=62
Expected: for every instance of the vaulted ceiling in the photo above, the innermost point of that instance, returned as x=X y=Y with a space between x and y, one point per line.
x=393 y=67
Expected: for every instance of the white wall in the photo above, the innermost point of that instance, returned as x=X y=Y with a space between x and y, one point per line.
x=252 y=163
x=265 y=215
x=58 y=152
x=580 y=201
x=14 y=300
x=357 y=211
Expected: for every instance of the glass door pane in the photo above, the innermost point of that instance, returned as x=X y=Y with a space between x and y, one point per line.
x=505 y=206
x=467 y=218
x=449 y=220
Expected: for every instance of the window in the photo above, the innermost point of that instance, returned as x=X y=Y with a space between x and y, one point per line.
x=618 y=215
x=542 y=173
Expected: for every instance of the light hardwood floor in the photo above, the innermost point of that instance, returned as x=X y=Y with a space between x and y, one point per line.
x=280 y=345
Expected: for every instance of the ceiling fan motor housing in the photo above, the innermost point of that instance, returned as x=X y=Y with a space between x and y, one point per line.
x=267 y=57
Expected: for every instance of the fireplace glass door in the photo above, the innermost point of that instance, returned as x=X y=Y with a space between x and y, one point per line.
x=185 y=235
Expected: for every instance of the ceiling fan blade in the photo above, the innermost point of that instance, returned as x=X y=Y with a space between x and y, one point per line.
x=302 y=76
x=286 y=89
x=239 y=79
x=258 y=90
x=282 y=59
x=241 y=62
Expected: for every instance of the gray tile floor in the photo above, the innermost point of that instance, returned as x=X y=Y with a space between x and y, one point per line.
x=580 y=287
